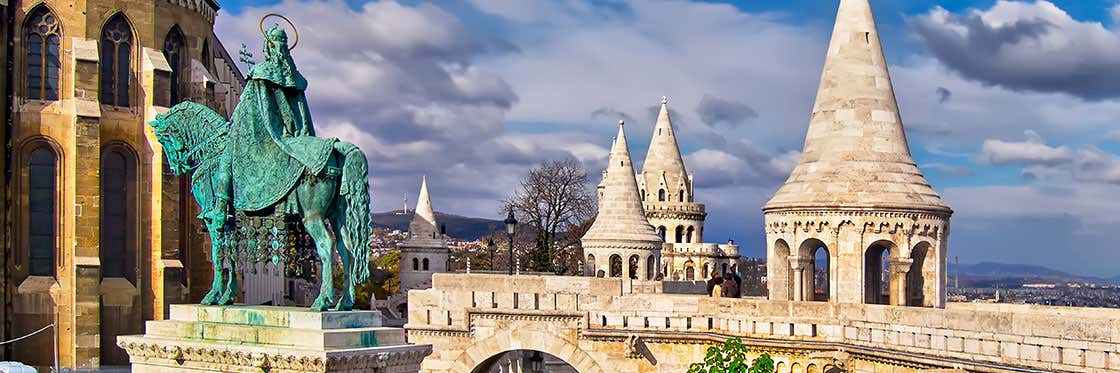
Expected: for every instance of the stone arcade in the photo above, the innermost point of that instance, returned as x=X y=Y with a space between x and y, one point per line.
x=856 y=201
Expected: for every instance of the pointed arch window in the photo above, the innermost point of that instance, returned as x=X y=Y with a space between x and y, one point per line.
x=661 y=195
x=425 y=264
x=415 y=264
x=116 y=61
x=173 y=52
x=118 y=213
x=44 y=33
x=207 y=60
x=680 y=196
x=42 y=185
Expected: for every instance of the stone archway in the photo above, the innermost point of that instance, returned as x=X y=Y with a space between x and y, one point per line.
x=877 y=282
x=482 y=351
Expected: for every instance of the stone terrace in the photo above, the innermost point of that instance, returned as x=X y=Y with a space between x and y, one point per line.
x=469 y=318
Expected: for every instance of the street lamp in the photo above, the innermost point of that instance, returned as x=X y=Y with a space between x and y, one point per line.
x=490 y=245
x=511 y=225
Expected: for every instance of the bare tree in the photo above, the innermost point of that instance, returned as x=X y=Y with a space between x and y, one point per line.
x=554 y=199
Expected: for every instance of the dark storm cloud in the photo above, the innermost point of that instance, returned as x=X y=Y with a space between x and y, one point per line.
x=715 y=111
x=1025 y=46
x=943 y=95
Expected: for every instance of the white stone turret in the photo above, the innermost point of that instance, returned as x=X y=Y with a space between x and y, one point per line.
x=856 y=193
x=621 y=242
x=425 y=251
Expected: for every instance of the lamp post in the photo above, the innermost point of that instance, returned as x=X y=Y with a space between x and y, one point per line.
x=511 y=225
x=490 y=245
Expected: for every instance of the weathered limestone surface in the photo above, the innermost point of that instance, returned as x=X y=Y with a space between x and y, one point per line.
x=274 y=339
x=424 y=252
x=588 y=321
x=856 y=191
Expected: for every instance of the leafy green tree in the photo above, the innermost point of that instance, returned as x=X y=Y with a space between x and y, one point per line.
x=732 y=358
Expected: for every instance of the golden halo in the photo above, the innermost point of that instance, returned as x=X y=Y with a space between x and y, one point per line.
x=294 y=31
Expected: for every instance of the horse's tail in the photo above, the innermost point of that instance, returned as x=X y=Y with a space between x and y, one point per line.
x=354 y=190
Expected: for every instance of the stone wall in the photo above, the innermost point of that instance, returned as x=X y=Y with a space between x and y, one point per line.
x=589 y=321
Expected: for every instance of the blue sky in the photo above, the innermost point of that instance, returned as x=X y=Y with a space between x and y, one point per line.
x=1009 y=106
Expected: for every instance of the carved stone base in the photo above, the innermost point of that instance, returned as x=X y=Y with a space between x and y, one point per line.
x=271 y=339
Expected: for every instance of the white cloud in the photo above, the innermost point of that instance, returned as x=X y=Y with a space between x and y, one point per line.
x=1030 y=152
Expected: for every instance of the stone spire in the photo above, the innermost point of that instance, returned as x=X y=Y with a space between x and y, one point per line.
x=664 y=156
x=855 y=152
x=423 y=222
x=621 y=222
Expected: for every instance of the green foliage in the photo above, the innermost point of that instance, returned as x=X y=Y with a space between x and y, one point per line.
x=732 y=358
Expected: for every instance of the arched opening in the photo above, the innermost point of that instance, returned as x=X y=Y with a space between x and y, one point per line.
x=688 y=235
x=174 y=51
x=680 y=234
x=680 y=196
x=704 y=274
x=116 y=61
x=616 y=266
x=632 y=267
x=661 y=232
x=922 y=276
x=44 y=33
x=643 y=195
x=816 y=274
x=876 y=273
x=723 y=270
x=661 y=195
x=42 y=203
x=689 y=271
x=780 y=276
x=528 y=361
x=651 y=267
x=415 y=264
x=589 y=265
x=118 y=213
x=424 y=264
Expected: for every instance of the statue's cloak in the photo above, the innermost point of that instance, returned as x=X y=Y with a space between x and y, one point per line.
x=272 y=141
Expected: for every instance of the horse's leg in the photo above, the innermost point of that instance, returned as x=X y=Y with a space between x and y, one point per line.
x=230 y=293
x=317 y=228
x=346 y=301
x=217 y=285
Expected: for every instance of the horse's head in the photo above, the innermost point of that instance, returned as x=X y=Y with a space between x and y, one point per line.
x=184 y=130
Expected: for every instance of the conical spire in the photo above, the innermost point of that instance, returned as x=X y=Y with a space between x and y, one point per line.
x=855 y=152
x=423 y=222
x=621 y=221
x=664 y=156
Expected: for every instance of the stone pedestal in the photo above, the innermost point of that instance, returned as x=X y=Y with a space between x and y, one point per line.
x=271 y=339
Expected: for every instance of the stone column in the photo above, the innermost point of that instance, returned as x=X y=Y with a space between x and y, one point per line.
x=797 y=265
x=899 y=268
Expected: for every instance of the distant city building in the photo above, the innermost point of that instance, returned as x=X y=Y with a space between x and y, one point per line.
x=426 y=251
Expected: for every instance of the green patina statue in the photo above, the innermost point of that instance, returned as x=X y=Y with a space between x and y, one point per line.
x=264 y=182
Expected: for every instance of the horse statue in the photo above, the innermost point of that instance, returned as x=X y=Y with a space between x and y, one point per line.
x=265 y=168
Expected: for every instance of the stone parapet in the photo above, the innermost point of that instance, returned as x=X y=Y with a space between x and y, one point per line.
x=273 y=339
x=975 y=337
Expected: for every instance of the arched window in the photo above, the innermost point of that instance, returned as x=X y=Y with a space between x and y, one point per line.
x=173 y=51
x=704 y=274
x=689 y=271
x=589 y=269
x=616 y=266
x=43 y=35
x=680 y=234
x=643 y=195
x=651 y=267
x=688 y=234
x=207 y=60
x=877 y=284
x=661 y=195
x=42 y=188
x=632 y=268
x=425 y=265
x=661 y=232
x=116 y=61
x=415 y=264
x=118 y=213
x=680 y=196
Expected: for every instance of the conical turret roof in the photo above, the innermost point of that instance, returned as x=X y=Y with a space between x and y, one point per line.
x=423 y=222
x=856 y=154
x=664 y=155
x=621 y=221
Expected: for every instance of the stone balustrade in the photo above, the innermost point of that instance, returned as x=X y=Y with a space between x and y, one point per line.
x=992 y=337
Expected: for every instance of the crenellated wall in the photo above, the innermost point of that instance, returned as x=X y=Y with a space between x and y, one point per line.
x=594 y=326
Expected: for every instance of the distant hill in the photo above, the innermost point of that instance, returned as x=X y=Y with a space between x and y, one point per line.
x=1010 y=274
x=461 y=227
